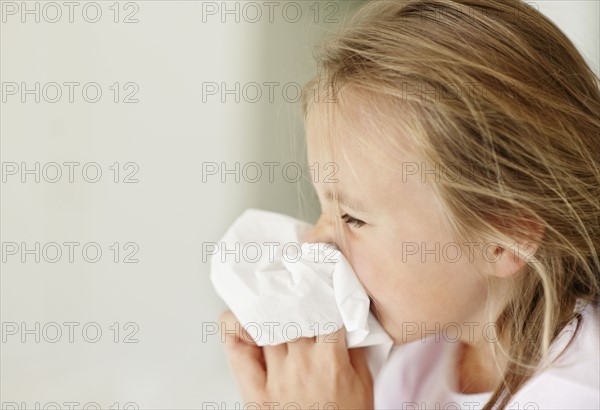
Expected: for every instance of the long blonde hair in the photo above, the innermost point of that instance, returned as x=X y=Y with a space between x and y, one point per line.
x=493 y=90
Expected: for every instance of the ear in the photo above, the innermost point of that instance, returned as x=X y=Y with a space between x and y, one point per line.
x=508 y=261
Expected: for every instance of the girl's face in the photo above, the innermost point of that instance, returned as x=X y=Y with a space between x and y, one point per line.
x=395 y=237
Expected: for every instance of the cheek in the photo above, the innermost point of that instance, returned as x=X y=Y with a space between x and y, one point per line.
x=400 y=287
x=371 y=268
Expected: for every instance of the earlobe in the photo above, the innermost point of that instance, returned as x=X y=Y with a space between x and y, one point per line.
x=509 y=261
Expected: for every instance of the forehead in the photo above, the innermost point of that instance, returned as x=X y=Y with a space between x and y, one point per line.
x=335 y=128
x=360 y=128
x=368 y=151
x=344 y=156
x=381 y=126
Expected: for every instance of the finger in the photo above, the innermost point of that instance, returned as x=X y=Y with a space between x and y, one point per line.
x=333 y=332
x=302 y=341
x=334 y=338
x=358 y=359
x=275 y=356
x=333 y=344
x=231 y=327
x=300 y=345
x=244 y=356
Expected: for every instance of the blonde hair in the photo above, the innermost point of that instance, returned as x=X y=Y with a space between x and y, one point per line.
x=493 y=90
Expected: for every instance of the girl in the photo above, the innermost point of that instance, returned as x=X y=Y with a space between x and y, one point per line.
x=465 y=135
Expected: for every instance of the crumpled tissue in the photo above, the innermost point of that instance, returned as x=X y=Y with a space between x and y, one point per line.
x=280 y=288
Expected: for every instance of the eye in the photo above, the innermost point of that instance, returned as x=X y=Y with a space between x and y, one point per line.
x=353 y=221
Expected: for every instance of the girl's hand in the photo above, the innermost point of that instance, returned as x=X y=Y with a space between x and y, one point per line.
x=321 y=374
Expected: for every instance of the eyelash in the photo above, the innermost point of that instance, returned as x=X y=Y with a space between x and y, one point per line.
x=353 y=221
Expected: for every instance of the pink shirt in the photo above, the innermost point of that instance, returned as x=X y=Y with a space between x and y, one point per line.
x=420 y=375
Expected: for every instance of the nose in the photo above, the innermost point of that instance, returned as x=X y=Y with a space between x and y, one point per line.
x=322 y=231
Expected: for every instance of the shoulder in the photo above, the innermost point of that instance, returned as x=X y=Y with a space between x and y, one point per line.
x=572 y=380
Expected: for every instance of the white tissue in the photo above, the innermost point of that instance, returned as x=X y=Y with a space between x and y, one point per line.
x=281 y=289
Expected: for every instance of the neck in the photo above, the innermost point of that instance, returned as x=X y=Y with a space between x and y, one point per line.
x=476 y=368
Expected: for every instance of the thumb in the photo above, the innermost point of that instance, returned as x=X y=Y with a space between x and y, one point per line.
x=245 y=358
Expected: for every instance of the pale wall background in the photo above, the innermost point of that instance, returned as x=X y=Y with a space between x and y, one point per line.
x=169 y=53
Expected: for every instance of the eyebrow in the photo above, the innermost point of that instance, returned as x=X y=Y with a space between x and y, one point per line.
x=347 y=202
